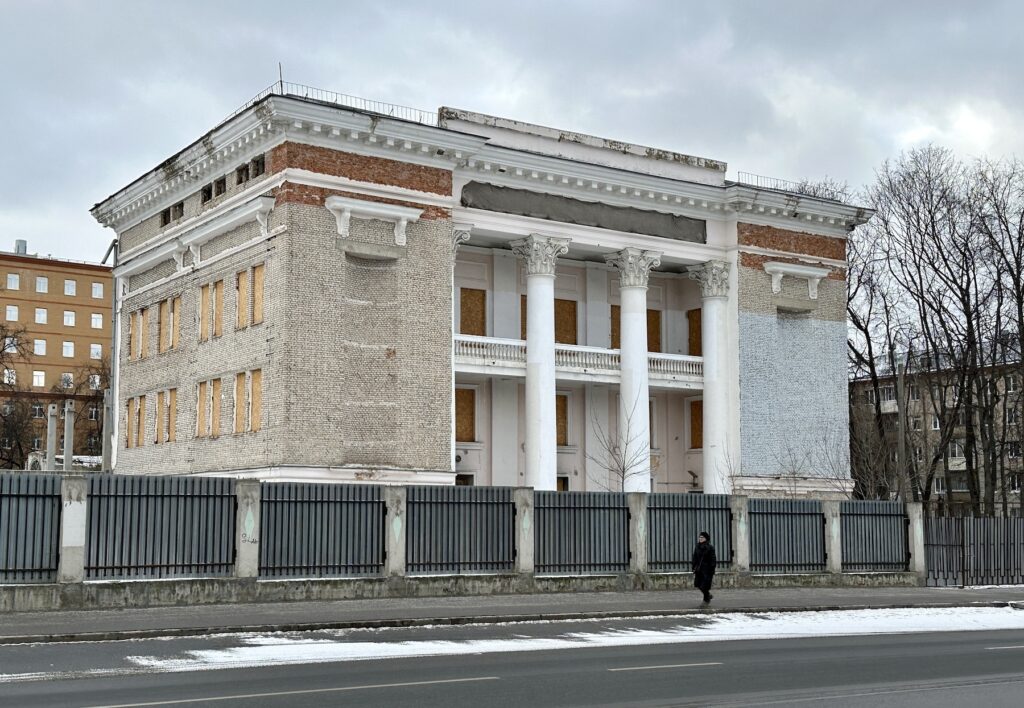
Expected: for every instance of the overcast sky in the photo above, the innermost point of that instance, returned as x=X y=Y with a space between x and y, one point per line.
x=97 y=93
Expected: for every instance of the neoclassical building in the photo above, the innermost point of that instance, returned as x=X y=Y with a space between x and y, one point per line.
x=315 y=290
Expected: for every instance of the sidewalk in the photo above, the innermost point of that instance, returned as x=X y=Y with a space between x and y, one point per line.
x=98 y=625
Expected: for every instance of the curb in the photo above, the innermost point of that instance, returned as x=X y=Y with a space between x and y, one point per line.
x=399 y=623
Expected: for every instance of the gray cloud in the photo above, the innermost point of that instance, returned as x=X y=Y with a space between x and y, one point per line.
x=97 y=93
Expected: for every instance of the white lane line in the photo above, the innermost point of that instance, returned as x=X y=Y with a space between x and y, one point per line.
x=993 y=648
x=245 y=696
x=919 y=689
x=665 y=666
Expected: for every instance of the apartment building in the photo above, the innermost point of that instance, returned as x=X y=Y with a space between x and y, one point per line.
x=320 y=288
x=57 y=323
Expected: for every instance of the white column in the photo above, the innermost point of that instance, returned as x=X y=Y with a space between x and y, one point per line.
x=540 y=253
x=460 y=234
x=634 y=392
x=714 y=287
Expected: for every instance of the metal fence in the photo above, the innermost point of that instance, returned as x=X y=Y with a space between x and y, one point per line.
x=581 y=532
x=159 y=527
x=786 y=536
x=29 y=527
x=673 y=522
x=321 y=530
x=874 y=536
x=460 y=529
x=974 y=551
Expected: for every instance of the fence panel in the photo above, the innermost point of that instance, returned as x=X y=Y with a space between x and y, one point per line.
x=944 y=551
x=460 y=529
x=786 y=536
x=321 y=530
x=874 y=536
x=994 y=551
x=581 y=532
x=673 y=522
x=29 y=527
x=159 y=527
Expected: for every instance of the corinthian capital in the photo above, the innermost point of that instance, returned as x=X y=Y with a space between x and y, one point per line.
x=540 y=252
x=713 y=277
x=634 y=266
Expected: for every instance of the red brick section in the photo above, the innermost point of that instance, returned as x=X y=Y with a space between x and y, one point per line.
x=291 y=193
x=360 y=167
x=797 y=242
x=751 y=260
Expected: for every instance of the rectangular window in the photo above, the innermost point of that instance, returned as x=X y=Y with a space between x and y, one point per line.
x=259 y=166
x=68 y=350
x=240 y=402
x=140 y=424
x=936 y=424
x=939 y=484
x=696 y=425
x=888 y=393
x=204 y=313
x=96 y=320
x=242 y=174
x=256 y=400
x=10 y=377
x=67 y=380
x=915 y=423
x=144 y=332
x=695 y=346
x=242 y=299
x=654 y=331
x=257 y=294
x=206 y=193
x=565 y=320
x=12 y=313
x=70 y=288
x=220 y=186
x=172 y=415
x=218 y=308
x=177 y=211
x=69 y=318
x=13 y=281
x=158 y=433
x=914 y=392
x=1012 y=416
x=97 y=290
x=465 y=415
x=94 y=412
x=175 y=321
x=38 y=411
x=1013 y=449
x=248 y=400
x=94 y=382
x=956 y=449
x=95 y=351
x=202 y=406
x=42 y=284
x=561 y=420
x=39 y=378
x=163 y=326
x=10 y=345
x=129 y=438
x=40 y=315
x=473 y=312
x=1011 y=384
x=215 y=408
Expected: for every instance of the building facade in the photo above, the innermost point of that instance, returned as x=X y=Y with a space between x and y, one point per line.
x=57 y=322
x=316 y=291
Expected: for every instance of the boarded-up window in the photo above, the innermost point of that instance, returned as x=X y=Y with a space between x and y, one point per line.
x=202 y=401
x=144 y=333
x=215 y=408
x=242 y=299
x=130 y=424
x=175 y=321
x=562 y=485
x=163 y=325
x=172 y=415
x=257 y=294
x=240 y=402
x=131 y=336
x=256 y=400
x=653 y=329
x=562 y=420
x=565 y=320
x=473 y=311
x=159 y=436
x=465 y=415
x=140 y=424
x=204 y=313
x=696 y=425
x=693 y=322
x=218 y=308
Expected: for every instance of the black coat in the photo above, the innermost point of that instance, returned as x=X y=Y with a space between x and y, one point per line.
x=704 y=563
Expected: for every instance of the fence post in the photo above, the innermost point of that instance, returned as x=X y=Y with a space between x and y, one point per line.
x=51 y=438
x=69 y=435
x=739 y=508
x=524 y=530
x=73 y=490
x=915 y=540
x=833 y=536
x=247 y=528
x=637 y=531
x=395 y=530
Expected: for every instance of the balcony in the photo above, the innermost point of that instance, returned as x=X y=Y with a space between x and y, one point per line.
x=507 y=357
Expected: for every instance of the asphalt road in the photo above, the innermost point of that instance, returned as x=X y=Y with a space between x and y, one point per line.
x=472 y=666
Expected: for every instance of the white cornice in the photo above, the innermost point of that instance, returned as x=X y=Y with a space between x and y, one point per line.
x=803 y=257
x=344 y=208
x=811 y=274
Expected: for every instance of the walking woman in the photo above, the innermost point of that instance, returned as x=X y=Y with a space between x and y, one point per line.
x=704 y=566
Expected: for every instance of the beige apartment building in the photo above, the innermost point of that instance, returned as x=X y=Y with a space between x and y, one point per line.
x=57 y=318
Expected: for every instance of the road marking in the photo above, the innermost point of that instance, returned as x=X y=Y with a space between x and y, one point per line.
x=834 y=696
x=246 y=696
x=1018 y=647
x=665 y=666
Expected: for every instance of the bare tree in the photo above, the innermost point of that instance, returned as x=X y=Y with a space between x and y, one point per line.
x=619 y=454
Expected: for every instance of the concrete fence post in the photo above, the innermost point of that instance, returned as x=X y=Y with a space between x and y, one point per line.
x=833 y=536
x=108 y=427
x=247 y=528
x=73 y=491
x=739 y=506
x=524 y=530
x=69 y=435
x=637 y=531
x=915 y=540
x=51 y=438
x=395 y=499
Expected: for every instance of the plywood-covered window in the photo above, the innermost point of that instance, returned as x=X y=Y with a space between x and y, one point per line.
x=248 y=401
x=140 y=423
x=218 y=308
x=242 y=299
x=465 y=415
x=130 y=423
x=565 y=320
x=562 y=420
x=257 y=293
x=204 y=313
x=256 y=400
x=159 y=434
x=693 y=322
x=653 y=329
x=131 y=336
x=175 y=321
x=163 y=324
x=202 y=406
x=215 y=408
x=172 y=415
x=240 y=402
x=696 y=425
x=473 y=311
x=143 y=332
